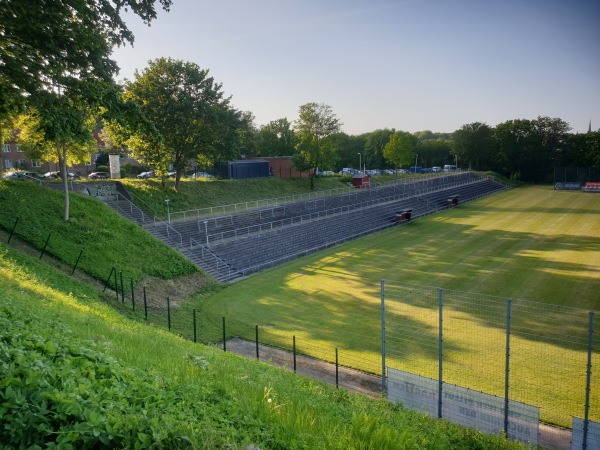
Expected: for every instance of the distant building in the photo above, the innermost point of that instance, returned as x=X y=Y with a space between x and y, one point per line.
x=282 y=167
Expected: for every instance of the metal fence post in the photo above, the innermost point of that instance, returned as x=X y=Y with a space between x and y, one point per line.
x=224 y=341
x=132 y=295
x=108 y=279
x=194 y=318
x=256 y=329
x=507 y=364
x=122 y=288
x=116 y=285
x=588 y=382
x=77 y=262
x=383 y=362
x=440 y=352
x=294 y=350
x=169 y=313
x=13 y=229
x=337 y=373
x=45 y=245
x=145 y=305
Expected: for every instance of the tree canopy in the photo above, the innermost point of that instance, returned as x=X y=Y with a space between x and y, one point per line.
x=191 y=113
x=59 y=47
x=400 y=150
x=277 y=138
x=315 y=127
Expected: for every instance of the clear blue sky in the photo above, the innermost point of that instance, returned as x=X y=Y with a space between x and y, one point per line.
x=409 y=65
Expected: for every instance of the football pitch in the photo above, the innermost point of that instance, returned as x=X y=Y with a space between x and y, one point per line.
x=530 y=243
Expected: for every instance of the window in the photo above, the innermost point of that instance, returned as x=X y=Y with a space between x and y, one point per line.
x=8 y=164
x=22 y=164
x=19 y=148
x=6 y=148
x=35 y=163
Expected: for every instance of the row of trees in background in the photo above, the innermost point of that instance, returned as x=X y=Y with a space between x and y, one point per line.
x=522 y=149
x=57 y=88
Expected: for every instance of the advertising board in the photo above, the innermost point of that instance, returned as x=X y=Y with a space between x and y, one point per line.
x=464 y=406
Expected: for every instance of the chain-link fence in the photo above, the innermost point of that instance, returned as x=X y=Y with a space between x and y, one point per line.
x=514 y=351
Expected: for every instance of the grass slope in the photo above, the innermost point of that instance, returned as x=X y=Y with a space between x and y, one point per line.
x=76 y=374
x=107 y=240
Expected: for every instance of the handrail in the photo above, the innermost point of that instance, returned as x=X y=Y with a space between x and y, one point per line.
x=260 y=203
x=215 y=257
x=266 y=226
x=138 y=200
x=270 y=263
x=235 y=207
x=301 y=218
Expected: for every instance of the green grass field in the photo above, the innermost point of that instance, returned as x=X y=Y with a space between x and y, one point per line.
x=530 y=243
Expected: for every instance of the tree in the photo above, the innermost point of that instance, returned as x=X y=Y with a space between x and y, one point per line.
x=348 y=148
x=473 y=144
x=527 y=149
x=277 y=138
x=400 y=150
x=55 y=45
x=433 y=152
x=315 y=127
x=189 y=111
x=373 y=152
x=59 y=131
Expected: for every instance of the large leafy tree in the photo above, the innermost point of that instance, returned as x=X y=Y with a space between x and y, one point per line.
x=376 y=142
x=189 y=111
x=277 y=138
x=528 y=149
x=401 y=149
x=473 y=144
x=348 y=148
x=433 y=152
x=60 y=130
x=315 y=128
x=56 y=45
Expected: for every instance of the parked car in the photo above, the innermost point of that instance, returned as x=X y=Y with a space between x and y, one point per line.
x=436 y=169
x=98 y=175
x=201 y=175
x=21 y=175
x=349 y=171
x=146 y=174
x=54 y=175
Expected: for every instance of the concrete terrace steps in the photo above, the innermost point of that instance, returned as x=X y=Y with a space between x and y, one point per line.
x=270 y=236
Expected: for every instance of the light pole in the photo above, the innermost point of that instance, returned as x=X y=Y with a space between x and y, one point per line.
x=206 y=231
x=456 y=162
x=416 y=159
x=168 y=210
x=360 y=162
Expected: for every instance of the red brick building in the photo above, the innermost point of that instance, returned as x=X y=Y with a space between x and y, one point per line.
x=281 y=167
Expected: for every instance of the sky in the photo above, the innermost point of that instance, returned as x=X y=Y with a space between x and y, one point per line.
x=409 y=65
